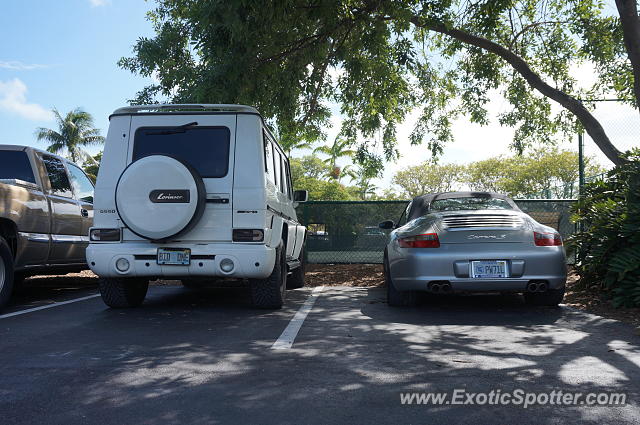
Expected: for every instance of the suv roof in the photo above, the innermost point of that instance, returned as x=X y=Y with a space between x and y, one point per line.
x=194 y=107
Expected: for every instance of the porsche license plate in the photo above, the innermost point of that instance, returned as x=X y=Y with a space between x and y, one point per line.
x=174 y=256
x=489 y=269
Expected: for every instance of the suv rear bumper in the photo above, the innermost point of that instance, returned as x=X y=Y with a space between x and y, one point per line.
x=250 y=261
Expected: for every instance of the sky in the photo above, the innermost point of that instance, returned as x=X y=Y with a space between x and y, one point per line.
x=64 y=54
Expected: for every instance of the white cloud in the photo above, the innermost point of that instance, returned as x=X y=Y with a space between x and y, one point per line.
x=98 y=3
x=13 y=100
x=21 y=66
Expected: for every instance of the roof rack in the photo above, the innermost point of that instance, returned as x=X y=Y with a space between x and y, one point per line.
x=181 y=107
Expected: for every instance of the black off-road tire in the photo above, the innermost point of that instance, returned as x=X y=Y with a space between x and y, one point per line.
x=123 y=293
x=6 y=273
x=269 y=293
x=397 y=298
x=296 y=280
x=549 y=298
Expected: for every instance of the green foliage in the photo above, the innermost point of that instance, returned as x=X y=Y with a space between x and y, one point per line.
x=608 y=246
x=378 y=61
x=75 y=131
x=429 y=177
x=308 y=173
x=340 y=148
x=92 y=167
x=547 y=173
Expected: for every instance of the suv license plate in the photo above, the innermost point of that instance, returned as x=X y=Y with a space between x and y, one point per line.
x=174 y=256
x=489 y=269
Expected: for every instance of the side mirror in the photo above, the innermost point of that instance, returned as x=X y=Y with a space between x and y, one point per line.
x=387 y=224
x=300 y=196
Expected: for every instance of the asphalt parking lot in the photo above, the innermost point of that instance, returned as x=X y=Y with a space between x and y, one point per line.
x=203 y=357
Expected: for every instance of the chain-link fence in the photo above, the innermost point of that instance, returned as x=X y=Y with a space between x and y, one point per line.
x=348 y=232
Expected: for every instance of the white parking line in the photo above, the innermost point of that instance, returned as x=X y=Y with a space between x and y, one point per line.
x=291 y=331
x=30 y=310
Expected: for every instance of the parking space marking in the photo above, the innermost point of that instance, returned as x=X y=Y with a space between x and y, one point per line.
x=285 y=341
x=30 y=310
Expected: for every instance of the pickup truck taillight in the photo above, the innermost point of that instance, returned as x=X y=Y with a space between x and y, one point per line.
x=426 y=240
x=104 y=235
x=547 y=239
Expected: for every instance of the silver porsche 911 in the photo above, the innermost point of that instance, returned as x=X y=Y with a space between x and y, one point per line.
x=472 y=242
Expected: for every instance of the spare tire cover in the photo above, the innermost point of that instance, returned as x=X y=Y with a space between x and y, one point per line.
x=159 y=197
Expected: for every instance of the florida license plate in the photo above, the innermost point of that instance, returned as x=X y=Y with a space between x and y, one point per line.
x=489 y=269
x=174 y=256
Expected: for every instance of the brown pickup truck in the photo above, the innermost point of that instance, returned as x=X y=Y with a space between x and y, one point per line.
x=46 y=209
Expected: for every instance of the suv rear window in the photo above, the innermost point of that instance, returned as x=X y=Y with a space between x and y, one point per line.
x=204 y=148
x=16 y=165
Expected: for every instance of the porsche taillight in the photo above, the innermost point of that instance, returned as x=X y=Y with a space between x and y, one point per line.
x=426 y=240
x=547 y=239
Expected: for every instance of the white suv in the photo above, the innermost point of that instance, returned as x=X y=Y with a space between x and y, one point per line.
x=196 y=193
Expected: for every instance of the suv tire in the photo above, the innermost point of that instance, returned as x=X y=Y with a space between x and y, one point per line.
x=296 y=280
x=6 y=272
x=123 y=293
x=269 y=293
x=397 y=298
x=549 y=298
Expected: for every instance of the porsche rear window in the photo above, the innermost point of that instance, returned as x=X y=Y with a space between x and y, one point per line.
x=204 y=148
x=469 y=203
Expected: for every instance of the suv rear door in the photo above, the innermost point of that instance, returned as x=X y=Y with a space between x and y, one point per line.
x=207 y=142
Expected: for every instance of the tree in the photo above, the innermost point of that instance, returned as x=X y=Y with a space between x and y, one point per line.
x=380 y=59
x=75 y=131
x=549 y=173
x=308 y=166
x=92 y=167
x=338 y=149
x=429 y=177
x=364 y=188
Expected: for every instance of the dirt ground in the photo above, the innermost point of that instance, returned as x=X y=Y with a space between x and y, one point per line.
x=364 y=275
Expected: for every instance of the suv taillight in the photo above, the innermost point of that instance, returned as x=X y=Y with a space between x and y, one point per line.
x=104 y=235
x=248 y=235
x=426 y=240
x=547 y=239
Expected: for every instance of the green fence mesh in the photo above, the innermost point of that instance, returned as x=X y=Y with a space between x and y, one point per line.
x=347 y=231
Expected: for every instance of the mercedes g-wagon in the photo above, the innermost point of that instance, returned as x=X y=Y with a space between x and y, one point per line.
x=194 y=193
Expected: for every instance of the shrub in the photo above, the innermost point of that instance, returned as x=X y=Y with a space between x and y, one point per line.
x=607 y=245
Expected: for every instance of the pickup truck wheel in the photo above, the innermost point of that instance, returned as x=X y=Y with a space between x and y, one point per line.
x=397 y=298
x=123 y=293
x=6 y=272
x=550 y=298
x=269 y=293
x=296 y=280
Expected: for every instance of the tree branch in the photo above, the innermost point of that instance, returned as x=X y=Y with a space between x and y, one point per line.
x=628 y=11
x=588 y=121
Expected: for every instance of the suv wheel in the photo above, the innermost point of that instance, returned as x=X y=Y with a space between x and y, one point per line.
x=6 y=272
x=296 y=280
x=550 y=298
x=122 y=293
x=269 y=292
x=397 y=298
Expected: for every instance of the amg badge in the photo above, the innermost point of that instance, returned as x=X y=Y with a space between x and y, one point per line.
x=170 y=196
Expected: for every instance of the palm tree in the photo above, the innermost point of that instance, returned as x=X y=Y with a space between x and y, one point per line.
x=74 y=132
x=339 y=149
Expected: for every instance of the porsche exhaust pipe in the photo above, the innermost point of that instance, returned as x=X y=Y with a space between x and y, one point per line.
x=446 y=288
x=537 y=286
x=435 y=287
